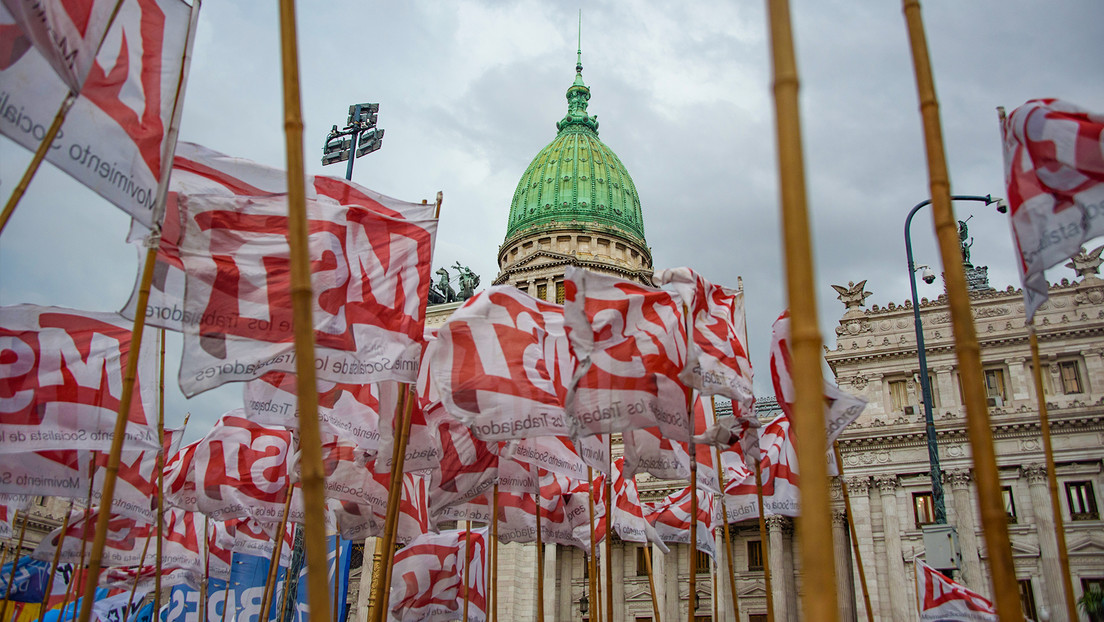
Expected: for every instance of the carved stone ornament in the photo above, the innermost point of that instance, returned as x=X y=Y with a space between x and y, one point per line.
x=859 y=383
x=853 y=295
x=887 y=484
x=1086 y=264
x=957 y=478
x=858 y=486
x=1034 y=473
x=839 y=517
x=776 y=522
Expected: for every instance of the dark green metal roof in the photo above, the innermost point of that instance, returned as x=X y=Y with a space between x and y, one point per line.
x=576 y=178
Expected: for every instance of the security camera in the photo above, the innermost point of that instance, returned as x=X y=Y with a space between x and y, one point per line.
x=1002 y=206
x=928 y=275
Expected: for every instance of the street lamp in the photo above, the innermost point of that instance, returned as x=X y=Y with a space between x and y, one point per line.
x=584 y=604
x=360 y=137
x=925 y=385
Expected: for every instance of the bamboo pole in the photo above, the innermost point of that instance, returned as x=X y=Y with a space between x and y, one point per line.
x=1052 y=476
x=727 y=536
x=764 y=543
x=274 y=561
x=651 y=579
x=692 y=606
x=815 y=524
x=36 y=160
x=138 y=574
x=494 y=554
x=993 y=518
x=84 y=535
x=540 y=563
x=15 y=566
x=609 y=532
x=160 y=472
x=313 y=475
x=53 y=564
x=287 y=578
x=854 y=534
x=467 y=568
x=592 y=567
x=337 y=578
x=225 y=596
x=393 y=500
x=206 y=567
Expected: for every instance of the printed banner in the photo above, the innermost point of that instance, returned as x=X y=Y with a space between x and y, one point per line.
x=61 y=380
x=940 y=599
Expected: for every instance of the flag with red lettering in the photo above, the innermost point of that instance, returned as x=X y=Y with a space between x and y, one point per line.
x=628 y=512
x=369 y=283
x=717 y=361
x=671 y=518
x=241 y=470
x=199 y=170
x=469 y=468
x=136 y=481
x=55 y=473
x=501 y=365
x=61 y=380
x=629 y=341
x=113 y=139
x=428 y=578
x=126 y=537
x=560 y=454
x=9 y=505
x=840 y=407
x=778 y=466
x=252 y=538
x=66 y=34
x=1054 y=170
x=180 y=478
x=940 y=599
x=423 y=449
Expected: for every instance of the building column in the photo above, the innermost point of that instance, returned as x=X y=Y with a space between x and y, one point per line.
x=671 y=568
x=900 y=602
x=618 y=579
x=841 y=546
x=366 y=577
x=1048 y=543
x=778 y=573
x=859 y=490
x=789 y=576
x=724 y=596
x=551 y=596
x=959 y=479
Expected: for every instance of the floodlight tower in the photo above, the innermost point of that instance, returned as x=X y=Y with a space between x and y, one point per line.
x=360 y=137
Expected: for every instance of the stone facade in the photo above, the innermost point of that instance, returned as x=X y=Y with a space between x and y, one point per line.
x=885 y=454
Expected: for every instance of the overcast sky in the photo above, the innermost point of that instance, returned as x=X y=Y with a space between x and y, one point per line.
x=470 y=91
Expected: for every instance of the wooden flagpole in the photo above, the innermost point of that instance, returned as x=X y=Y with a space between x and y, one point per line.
x=609 y=531
x=592 y=567
x=815 y=524
x=494 y=555
x=764 y=543
x=206 y=567
x=651 y=579
x=160 y=472
x=84 y=536
x=274 y=562
x=313 y=475
x=1052 y=475
x=53 y=564
x=727 y=536
x=540 y=563
x=287 y=579
x=394 y=498
x=226 y=594
x=337 y=578
x=854 y=534
x=382 y=587
x=1006 y=595
x=692 y=563
x=39 y=156
x=138 y=573
x=15 y=565
x=467 y=568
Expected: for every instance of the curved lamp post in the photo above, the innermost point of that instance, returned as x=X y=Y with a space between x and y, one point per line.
x=925 y=385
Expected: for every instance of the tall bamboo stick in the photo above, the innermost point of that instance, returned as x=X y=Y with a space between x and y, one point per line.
x=609 y=532
x=651 y=579
x=764 y=544
x=312 y=471
x=692 y=606
x=337 y=579
x=592 y=567
x=494 y=555
x=36 y=160
x=727 y=536
x=993 y=518
x=274 y=562
x=225 y=596
x=54 y=563
x=540 y=563
x=467 y=568
x=815 y=524
x=293 y=567
x=160 y=472
x=402 y=425
x=854 y=534
x=1052 y=476
x=15 y=565
x=138 y=575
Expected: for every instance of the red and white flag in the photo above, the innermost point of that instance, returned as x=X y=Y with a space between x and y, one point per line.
x=717 y=361
x=252 y=538
x=61 y=380
x=840 y=407
x=501 y=365
x=136 y=481
x=1054 y=170
x=55 y=473
x=369 y=282
x=114 y=138
x=427 y=582
x=941 y=600
x=629 y=341
x=778 y=466
x=423 y=448
x=181 y=546
x=180 y=478
x=560 y=454
x=469 y=468
x=671 y=518
x=241 y=470
x=9 y=505
x=628 y=513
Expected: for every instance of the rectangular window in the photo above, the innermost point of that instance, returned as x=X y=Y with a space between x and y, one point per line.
x=702 y=562
x=542 y=290
x=934 y=388
x=641 y=562
x=1082 y=501
x=1009 y=503
x=898 y=395
x=923 y=508
x=755 y=554
x=559 y=292
x=994 y=383
x=1071 y=377
x=757 y=617
x=1047 y=388
x=1027 y=599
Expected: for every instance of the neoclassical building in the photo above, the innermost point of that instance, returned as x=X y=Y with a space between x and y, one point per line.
x=885 y=452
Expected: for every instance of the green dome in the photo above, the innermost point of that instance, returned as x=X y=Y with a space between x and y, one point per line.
x=576 y=178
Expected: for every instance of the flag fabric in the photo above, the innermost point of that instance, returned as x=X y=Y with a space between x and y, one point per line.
x=940 y=599
x=717 y=361
x=55 y=473
x=840 y=407
x=180 y=478
x=629 y=341
x=560 y=454
x=113 y=139
x=181 y=544
x=369 y=283
x=469 y=468
x=121 y=606
x=61 y=380
x=136 y=480
x=671 y=519
x=427 y=582
x=778 y=466
x=241 y=470
x=1054 y=171
x=628 y=512
x=32 y=579
x=9 y=505
x=423 y=447
x=66 y=34
x=501 y=365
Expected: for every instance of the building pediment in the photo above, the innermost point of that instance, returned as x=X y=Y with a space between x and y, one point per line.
x=539 y=259
x=755 y=590
x=1088 y=544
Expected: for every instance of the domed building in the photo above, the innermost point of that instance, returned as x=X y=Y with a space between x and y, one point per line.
x=576 y=204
